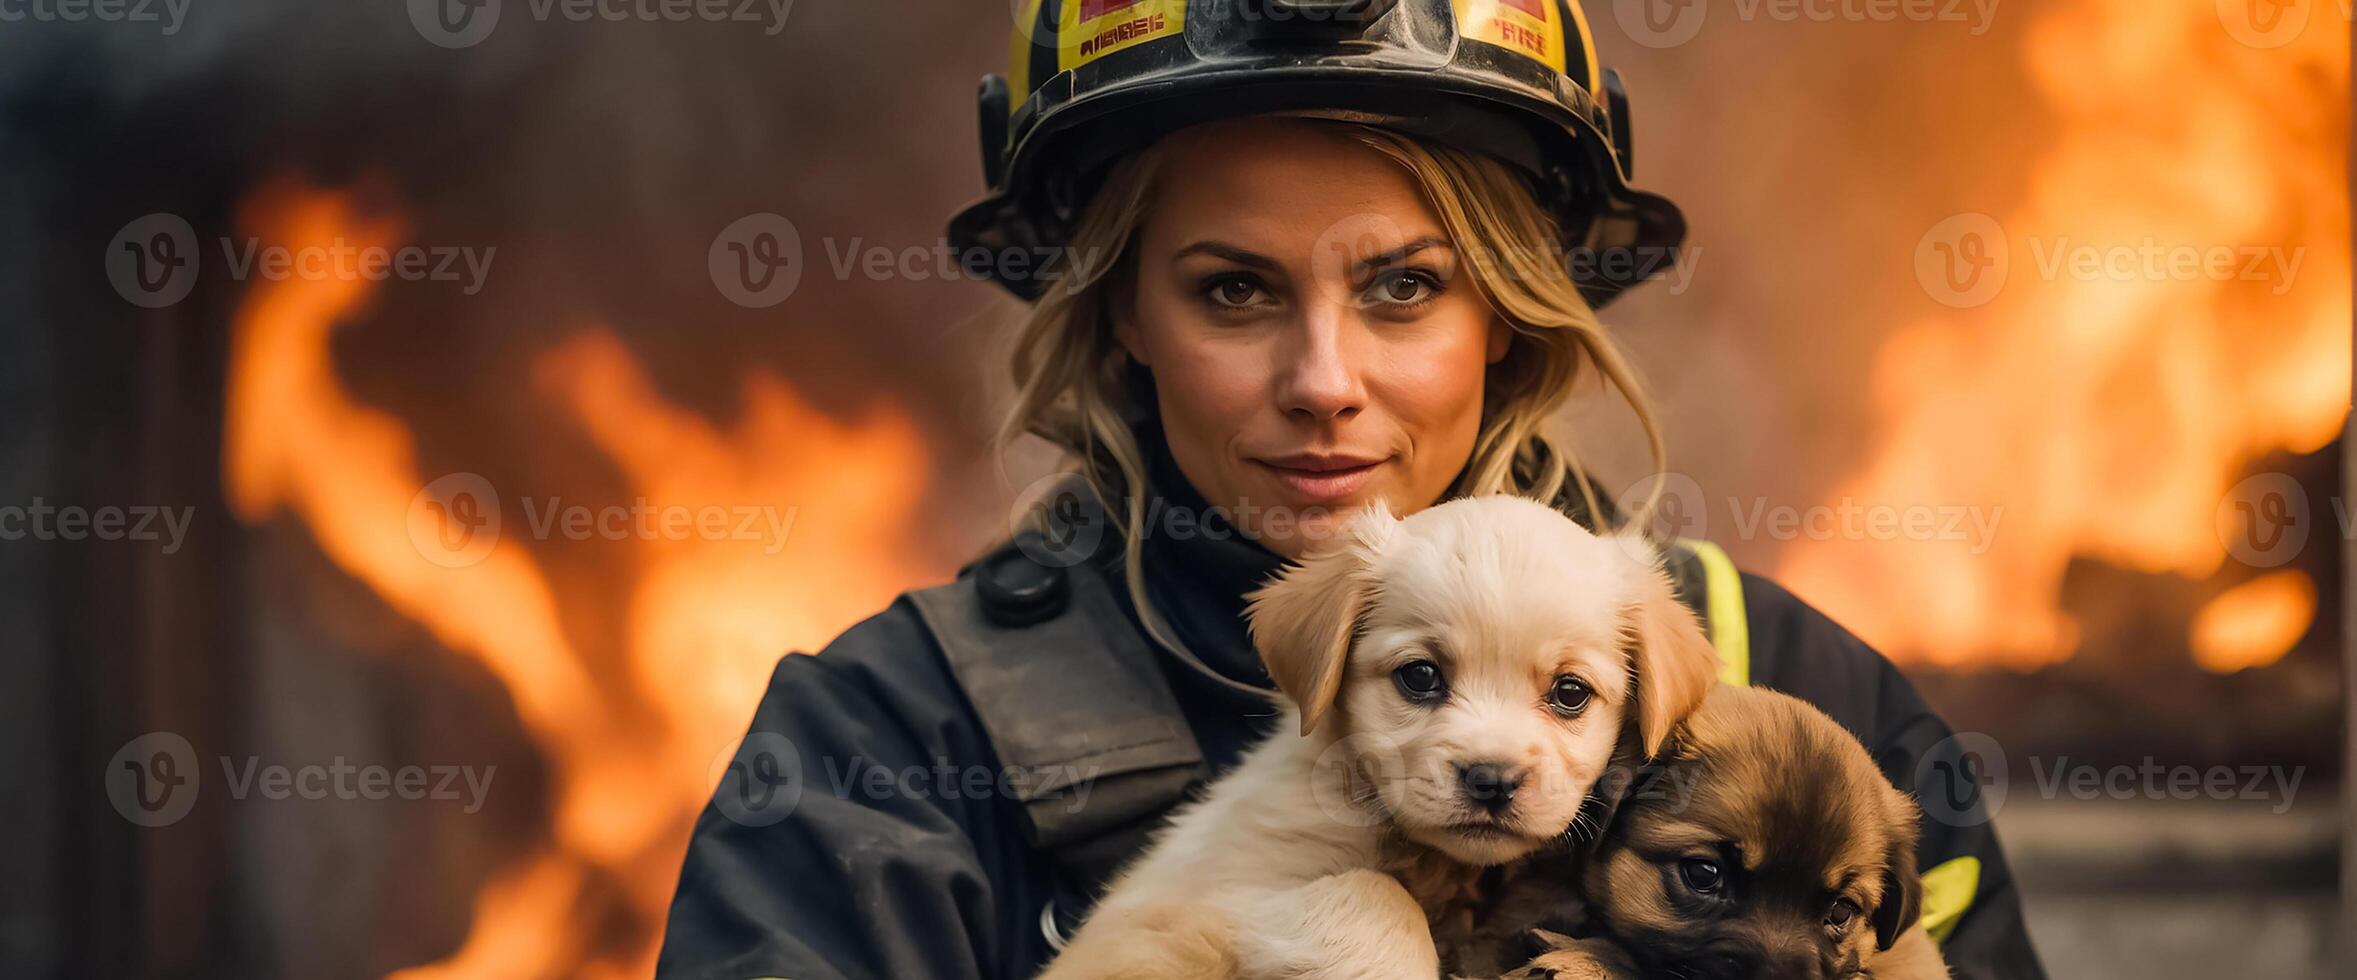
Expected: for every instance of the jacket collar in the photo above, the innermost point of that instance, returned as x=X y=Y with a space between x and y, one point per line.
x=1199 y=567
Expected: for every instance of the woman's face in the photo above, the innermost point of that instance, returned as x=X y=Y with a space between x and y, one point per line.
x=1317 y=343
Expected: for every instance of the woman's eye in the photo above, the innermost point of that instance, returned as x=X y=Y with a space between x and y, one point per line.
x=1403 y=288
x=1233 y=291
x=1841 y=913
x=1702 y=875
x=1569 y=696
x=1418 y=681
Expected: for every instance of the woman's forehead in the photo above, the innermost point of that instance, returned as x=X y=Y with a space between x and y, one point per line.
x=1279 y=186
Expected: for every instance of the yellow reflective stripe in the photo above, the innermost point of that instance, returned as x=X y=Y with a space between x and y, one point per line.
x=1730 y=632
x=1948 y=890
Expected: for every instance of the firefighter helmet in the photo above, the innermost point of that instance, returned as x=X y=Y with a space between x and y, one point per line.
x=1092 y=80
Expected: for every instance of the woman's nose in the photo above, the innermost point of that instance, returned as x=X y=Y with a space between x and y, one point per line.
x=1320 y=376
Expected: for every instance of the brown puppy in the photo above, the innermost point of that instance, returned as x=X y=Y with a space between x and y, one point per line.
x=1764 y=844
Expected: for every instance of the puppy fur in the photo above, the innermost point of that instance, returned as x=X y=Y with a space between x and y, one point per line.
x=1549 y=645
x=1813 y=851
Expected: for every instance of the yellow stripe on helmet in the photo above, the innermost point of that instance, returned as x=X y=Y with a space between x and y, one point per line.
x=1526 y=27
x=1019 y=56
x=1092 y=29
x=1594 y=82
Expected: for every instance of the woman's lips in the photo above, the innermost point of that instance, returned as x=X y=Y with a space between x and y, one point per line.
x=1323 y=479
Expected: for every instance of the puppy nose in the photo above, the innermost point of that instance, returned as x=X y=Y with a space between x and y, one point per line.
x=1489 y=785
x=1794 y=964
x=1792 y=968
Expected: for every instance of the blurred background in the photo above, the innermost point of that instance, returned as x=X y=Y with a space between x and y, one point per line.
x=2016 y=334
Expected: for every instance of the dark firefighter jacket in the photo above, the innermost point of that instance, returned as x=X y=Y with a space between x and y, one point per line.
x=870 y=828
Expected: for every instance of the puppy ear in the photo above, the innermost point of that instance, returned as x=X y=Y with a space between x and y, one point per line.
x=1902 y=887
x=1624 y=777
x=1674 y=662
x=1303 y=623
x=1537 y=942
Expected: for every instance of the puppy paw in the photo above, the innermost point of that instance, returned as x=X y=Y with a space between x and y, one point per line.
x=1567 y=966
x=1564 y=958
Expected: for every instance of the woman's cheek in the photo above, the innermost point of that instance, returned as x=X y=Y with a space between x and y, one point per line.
x=1224 y=381
x=1437 y=379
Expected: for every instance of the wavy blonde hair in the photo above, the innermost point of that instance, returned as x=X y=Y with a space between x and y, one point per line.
x=1074 y=382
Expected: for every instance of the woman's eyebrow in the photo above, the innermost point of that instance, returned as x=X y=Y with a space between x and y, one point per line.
x=1256 y=260
x=1229 y=252
x=1389 y=256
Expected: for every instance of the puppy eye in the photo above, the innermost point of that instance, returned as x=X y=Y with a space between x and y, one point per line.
x=1419 y=680
x=1569 y=696
x=1840 y=914
x=1702 y=875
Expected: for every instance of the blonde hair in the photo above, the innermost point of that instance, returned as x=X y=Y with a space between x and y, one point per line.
x=1072 y=377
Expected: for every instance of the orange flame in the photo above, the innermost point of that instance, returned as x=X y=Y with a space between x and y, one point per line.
x=629 y=744
x=2254 y=624
x=2107 y=415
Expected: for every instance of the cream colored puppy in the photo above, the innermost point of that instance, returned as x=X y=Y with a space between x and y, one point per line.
x=1460 y=679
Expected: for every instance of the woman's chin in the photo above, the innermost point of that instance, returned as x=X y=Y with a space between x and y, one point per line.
x=1290 y=524
x=1291 y=529
x=1324 y=521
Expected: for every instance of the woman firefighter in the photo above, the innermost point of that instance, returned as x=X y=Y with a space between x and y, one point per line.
x=1302 y=256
